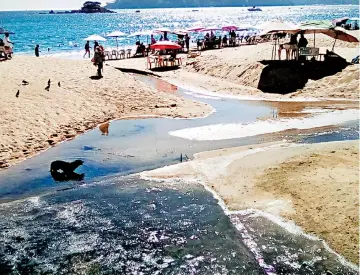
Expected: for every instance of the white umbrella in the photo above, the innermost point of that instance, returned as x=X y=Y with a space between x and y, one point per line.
x=162 y=30
x=116 y=34
x=141 y=33
x=179 y=32
x=278 y=26
x=95 y=37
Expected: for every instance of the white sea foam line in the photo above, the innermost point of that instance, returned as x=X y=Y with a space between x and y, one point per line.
x=292 y=228
x=230 y=131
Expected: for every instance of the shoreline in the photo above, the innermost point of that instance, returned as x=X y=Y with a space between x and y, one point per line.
x=39 y=119
x=286 y=107
x=253 y=164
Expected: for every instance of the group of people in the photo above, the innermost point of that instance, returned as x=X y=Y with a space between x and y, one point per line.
x=293 y=46
x=7 y=46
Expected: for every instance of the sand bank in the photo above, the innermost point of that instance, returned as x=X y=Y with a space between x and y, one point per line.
x=38 y=119
x=237 y=71
x=315 y=185
x=241 y=66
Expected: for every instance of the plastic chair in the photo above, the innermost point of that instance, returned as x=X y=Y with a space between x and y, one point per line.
x=128 y=53
x=114 y=53
x=122 y=54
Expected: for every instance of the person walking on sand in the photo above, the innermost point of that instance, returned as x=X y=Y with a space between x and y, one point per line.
x=87 y=49
x=37 y=51
x=187 y=42
x=99 y=61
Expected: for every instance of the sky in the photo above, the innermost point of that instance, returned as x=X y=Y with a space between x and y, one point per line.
x=10 y=5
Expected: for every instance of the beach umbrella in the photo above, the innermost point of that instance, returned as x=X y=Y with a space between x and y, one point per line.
x=165 y=45
x=277 y=26
x=95 y=37
x=116 y=34
x=142 y=33
x=196 y=27
x=229 y=28
x=162 y=30
x=244 y=27
x=179 y=32
x=316 y=26
x=339 y=33
x=211 y=28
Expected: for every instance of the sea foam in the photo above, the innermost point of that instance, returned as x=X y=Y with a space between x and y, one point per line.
x=237 y=130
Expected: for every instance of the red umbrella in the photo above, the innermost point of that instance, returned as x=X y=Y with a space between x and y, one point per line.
x=165 y=45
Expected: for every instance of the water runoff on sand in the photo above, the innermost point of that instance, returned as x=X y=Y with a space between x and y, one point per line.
x=115 y=222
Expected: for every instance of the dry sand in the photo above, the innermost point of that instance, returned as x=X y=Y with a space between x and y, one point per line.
x=38 y=118
x=237 y=71
x=240 y=66
x=315 y=185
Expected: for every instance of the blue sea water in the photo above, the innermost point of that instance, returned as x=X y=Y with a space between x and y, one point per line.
x=61 y=32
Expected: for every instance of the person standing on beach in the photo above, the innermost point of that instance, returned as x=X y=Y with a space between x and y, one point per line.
x=153 y=40
x=8 y=44
x=87 y=49
x=187 y=42
x=99 y=61
x=96 y=44
x=37 y=51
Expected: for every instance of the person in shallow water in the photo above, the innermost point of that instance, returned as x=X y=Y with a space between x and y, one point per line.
x=64 y=171
x=87 y=49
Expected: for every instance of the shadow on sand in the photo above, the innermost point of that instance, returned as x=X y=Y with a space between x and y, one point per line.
x=287 y=76
x=95 y=77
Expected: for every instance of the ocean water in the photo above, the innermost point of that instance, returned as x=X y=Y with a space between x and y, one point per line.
x=61 y=32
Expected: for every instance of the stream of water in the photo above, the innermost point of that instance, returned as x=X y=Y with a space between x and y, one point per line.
x=113 y=222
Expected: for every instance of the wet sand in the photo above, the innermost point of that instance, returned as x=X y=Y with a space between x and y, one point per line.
x=316 y=185
x=39 y=119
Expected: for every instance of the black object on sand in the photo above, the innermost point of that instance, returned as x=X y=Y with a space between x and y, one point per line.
x=18 y=93
x=47 y=88
x=49 y=82
x=24 y=82
x=65 y=171
x=59 y=84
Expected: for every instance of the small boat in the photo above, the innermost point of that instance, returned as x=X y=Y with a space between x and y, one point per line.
x=195 y=10
x=254 y=9
x=137 y=11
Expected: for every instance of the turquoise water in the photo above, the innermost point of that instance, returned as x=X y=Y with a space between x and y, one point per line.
x=61 y=32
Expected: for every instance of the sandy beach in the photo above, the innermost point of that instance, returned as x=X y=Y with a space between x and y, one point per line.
x=237 y=71
x=316 y=185
x=39 y=119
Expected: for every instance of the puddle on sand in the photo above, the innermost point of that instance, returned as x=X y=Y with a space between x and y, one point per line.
x=128 y=225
